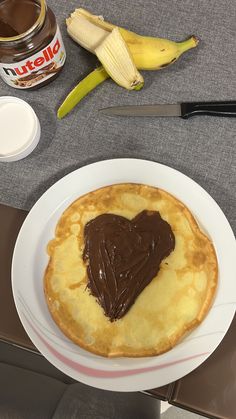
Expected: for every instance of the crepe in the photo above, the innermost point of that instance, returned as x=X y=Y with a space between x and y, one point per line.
x=175 y=301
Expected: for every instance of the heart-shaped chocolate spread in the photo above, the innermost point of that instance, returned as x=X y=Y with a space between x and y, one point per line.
x=123 y=257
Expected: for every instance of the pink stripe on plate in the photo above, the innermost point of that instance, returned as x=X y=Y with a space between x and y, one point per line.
x=107 y=374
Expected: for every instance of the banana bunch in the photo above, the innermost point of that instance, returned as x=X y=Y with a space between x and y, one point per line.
x=121 y=52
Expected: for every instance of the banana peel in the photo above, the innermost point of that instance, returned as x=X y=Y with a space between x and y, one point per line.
x=81 y=90
x=118 y=62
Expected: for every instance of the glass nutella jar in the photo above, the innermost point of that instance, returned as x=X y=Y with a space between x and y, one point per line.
x=32 y=52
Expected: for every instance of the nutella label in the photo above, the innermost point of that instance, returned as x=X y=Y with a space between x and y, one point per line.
x=38 y=68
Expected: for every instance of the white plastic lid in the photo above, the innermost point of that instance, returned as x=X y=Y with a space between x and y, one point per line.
x=19 y=129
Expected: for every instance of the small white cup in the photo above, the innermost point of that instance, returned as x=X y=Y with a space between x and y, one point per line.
x=19 y=129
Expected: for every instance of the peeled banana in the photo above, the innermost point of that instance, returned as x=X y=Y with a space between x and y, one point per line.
x=148 y=53
x=145 y=53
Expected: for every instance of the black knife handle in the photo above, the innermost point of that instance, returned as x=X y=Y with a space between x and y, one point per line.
x=227 y=109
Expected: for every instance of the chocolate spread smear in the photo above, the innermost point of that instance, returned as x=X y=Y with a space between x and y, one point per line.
x=123 y=256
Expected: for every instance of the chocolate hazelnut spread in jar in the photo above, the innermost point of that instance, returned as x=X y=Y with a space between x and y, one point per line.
x=31 y=47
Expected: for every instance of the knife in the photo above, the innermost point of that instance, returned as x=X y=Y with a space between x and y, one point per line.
x=184 y=110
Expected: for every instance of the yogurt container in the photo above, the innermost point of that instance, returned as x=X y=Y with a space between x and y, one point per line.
x=19 y=129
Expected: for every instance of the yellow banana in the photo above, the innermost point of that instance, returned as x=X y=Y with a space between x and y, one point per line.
x=148 y=53
x=155 y=53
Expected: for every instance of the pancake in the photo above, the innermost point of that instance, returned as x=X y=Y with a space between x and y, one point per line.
x=173 y=303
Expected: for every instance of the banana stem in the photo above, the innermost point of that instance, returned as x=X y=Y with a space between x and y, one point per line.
x=85 y=86
x=188 y=44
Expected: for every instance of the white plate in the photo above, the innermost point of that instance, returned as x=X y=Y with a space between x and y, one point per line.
x=30 y=260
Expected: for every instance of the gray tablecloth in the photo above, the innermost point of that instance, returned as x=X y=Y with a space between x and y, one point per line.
x=202 y=147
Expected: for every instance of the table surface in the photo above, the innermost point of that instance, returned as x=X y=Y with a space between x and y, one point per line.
x=209 y=390
x=202 y=148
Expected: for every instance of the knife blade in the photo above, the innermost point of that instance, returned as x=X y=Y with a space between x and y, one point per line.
x=184 y=110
